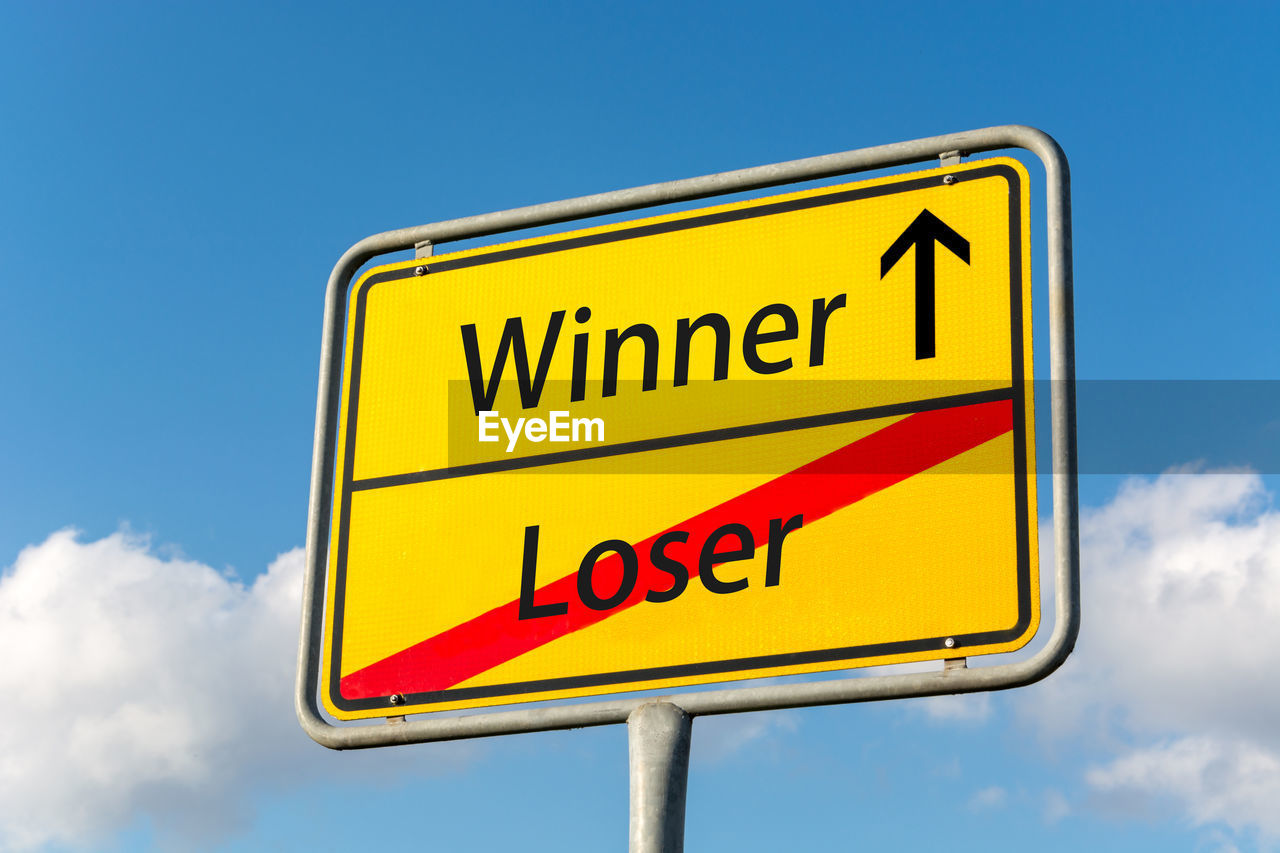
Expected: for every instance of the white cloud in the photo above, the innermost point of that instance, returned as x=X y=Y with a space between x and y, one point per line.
x=988 y=799
x=715 y=738
x=1172 y=683
x=949 y=769
x=1234 y=782
x=1220 y=843
x=1056 y=806
x=137 y=686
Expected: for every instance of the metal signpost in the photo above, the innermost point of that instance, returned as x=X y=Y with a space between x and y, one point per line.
x=785 y=435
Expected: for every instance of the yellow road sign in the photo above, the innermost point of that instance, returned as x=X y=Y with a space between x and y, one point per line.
x=785 y=435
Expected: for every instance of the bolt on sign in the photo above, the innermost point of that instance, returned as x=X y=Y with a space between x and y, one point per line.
x=785 y=435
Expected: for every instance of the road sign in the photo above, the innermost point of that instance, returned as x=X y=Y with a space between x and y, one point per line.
x=784 y=435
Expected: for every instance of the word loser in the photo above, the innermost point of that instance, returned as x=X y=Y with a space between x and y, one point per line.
x=605 y=583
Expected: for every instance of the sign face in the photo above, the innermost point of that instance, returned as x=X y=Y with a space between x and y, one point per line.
x=785 y=435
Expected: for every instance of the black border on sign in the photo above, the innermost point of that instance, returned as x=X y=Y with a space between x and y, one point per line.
x=740 y=666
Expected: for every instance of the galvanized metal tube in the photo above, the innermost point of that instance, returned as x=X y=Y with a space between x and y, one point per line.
x=658 y=737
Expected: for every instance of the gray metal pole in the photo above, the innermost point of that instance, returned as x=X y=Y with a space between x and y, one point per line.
x=658 y=736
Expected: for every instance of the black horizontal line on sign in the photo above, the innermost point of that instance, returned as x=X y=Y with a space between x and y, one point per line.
x=669 y=441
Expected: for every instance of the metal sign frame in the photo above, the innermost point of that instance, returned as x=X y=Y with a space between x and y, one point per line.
x=950 y=679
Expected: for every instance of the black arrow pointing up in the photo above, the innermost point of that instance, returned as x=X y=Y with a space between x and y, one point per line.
x=925 y=230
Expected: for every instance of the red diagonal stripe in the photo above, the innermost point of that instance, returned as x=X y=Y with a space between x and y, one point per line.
x=815 y=490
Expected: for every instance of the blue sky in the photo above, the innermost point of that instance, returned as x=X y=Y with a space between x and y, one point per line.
x=176 y=182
